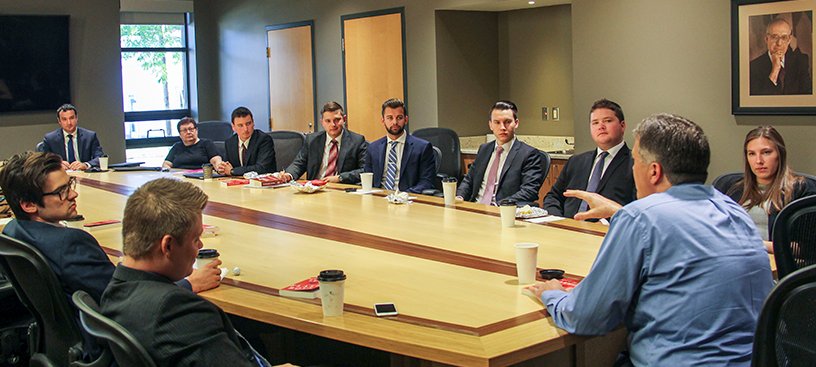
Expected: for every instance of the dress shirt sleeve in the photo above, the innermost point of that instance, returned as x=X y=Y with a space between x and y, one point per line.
x=601 y=301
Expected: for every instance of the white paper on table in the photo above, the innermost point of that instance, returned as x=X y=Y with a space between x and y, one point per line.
x=547 y=219
x=361 y=192
x=224 y=272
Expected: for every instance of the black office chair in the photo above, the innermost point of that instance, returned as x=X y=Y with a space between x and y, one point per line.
x=437 y=161
x=221 y=148
x=127 y=351
x=57 y=340
x=16 y=327
x=545 y=170
x=214 y=130
x=448 y=143
x=794 y=238
x=786 y=328
x=724 y=182
x=40 y=147
x=287 y=146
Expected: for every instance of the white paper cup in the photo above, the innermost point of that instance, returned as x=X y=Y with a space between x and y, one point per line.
x=103 y=163
x=449 y=189
x=526 y=259
x=205 y=257
x=508 y=215
x=331 y=296
x=365 y=180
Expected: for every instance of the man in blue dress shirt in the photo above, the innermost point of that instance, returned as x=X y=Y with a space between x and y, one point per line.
x=682 y=268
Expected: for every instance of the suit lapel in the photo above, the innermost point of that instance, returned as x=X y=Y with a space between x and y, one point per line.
x=406 y=153
x=507 y=162
x=345 y=145
x=253 y=143
x=317 y=148
x=620 y=158
x=483 y=158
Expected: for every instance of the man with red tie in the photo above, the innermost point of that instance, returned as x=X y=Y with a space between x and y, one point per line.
x=334 y=154
x=79 y=148
x=506 y=168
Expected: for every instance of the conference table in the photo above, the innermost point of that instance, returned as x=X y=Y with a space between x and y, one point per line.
x=450 y=271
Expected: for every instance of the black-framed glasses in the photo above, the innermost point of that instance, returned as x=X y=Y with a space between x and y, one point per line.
x=63 y=190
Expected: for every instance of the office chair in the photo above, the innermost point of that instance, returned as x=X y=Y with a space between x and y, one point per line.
x=545 y=170
x=214 y=130
x=57 y=340
x=127 y=351
x=448 y=143
x=794 y=238
x=287 y=146
x=437 y=162
x=786 y=328
x=40 y=147
x=16 y=327
x=724 y=182
x=221 y=148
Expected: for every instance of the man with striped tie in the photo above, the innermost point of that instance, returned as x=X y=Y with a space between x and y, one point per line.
x=334 y=154
x=400 y=161
x=506 y=168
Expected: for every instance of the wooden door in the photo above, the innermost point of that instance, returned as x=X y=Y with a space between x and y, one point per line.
x=290 y=57
x=373 y=67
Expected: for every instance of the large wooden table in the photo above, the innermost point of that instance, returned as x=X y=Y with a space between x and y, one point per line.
x=449 y=270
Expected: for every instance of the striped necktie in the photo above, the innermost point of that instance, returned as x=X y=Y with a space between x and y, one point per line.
x=331 y=165
x=391 y=169
x=595 y=179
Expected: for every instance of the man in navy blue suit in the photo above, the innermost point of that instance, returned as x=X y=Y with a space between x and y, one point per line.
x=399 y=160
x=79 y=148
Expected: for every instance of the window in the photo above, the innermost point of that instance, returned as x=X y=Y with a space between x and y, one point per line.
x=154 y=81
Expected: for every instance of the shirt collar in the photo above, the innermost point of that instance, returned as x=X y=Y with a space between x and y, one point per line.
x=245 y=142
x=338 y=138
x=400 y=140
x=612 y=151
x=506 y=146
x=65 y=134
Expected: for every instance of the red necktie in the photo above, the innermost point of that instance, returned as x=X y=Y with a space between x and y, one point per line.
x=243 y=155
x=331 y=165
x=487 y=198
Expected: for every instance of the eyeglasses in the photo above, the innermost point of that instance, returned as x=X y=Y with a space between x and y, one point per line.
x=62 y=191
x=779 y=37
x=188 y=130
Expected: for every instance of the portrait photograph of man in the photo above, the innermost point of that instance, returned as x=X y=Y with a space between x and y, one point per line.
x=781 y=54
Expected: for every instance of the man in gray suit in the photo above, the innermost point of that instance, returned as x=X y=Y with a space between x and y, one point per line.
x=334 y=155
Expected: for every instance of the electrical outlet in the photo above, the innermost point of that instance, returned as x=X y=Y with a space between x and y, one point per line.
x=555 y=114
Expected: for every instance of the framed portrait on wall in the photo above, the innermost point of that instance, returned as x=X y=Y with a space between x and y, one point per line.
x=772 y=46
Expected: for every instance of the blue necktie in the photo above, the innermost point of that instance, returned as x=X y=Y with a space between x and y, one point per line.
x=391 y=168
x=594 y=180
x=71 y=152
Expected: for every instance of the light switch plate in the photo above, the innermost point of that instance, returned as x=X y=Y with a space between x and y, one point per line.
x=555 y=114
x=544 y=114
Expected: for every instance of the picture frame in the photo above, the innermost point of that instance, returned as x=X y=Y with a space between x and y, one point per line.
x=772 y=52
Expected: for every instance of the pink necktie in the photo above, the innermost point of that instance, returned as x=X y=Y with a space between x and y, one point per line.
x=331 y=166
x=487 y=198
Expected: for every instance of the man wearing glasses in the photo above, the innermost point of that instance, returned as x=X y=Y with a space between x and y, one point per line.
x=780 y=70
x=191 y=152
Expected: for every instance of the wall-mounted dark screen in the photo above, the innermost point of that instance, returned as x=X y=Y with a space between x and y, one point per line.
x=34 y=72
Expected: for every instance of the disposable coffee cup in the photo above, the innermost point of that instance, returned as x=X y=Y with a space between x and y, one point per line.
x=331 y=291
x=507 y=209
x=207 y=168
x=365 y=180
x=103 y=163
x=449 y=190
x=526 y=256
x=206 y=256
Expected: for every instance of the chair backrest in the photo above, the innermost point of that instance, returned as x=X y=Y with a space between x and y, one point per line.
x=215 y=130
x=786 y=328
x=287 y=146
x=545 y=170
x=38 y=288
x=40 y=147
x=794 y=237
x=448 y=143
x=437 y=158
x=127 y=351
x=723 y=182
x=221 y=148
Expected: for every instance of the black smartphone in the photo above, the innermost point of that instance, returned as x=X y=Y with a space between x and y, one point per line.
x=385 y=309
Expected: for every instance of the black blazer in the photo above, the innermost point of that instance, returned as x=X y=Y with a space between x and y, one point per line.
x=797 y=77
x=350 y=158
x=87 y=142
x=175 y=326
x=520 y=179
x=616 y=184
x=417 y=168
x=261 y=152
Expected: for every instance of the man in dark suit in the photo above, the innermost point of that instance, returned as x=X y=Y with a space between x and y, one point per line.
x=399 y=160
x=249 y=149
x=781 y=70
x=79 y=148
x=175 y=326
x=334 y=155
x=606 y=170
x=41 y=195
x=506 y=168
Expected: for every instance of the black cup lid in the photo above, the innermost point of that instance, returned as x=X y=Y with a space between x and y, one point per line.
x=449 y=179
x=507 y=202
x=208 y=253
x=206 y=165
x=331 y=276
x=548 y=274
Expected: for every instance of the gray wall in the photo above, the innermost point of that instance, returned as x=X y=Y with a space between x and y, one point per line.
x=96 y=83
x=670 y=56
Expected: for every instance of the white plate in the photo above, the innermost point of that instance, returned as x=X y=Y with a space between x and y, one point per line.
x=537 y=212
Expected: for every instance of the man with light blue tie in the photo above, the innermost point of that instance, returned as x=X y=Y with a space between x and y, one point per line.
x=605 y=170
x=400 y=161
x=79 y=148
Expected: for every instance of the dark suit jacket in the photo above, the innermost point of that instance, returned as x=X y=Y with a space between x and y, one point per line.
x=261 y=152
x=616 y=184
x=520 y=179
x=417 y=168
x=175 y=326
x=350 y=158
x=797 y=76
x=87 y=142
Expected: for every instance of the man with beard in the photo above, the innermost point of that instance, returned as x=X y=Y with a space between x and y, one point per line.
x=398 y=160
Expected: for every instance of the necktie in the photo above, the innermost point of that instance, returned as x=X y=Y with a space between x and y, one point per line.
x=71 y=152
x=781 y=79
x=391 y=167
x=331 y=165
x=595 y=179
x=487 y=198
x=243 y=155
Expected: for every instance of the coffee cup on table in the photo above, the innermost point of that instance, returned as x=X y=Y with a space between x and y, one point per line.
x=526 y=259
x=449 y=190
x=206 y=256
x=103 y=163
x=507 y=208
x=207 y=170
x=332 y=291
x=365 y=180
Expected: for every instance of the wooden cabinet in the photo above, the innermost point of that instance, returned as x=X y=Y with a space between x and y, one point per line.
x=556 y=165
